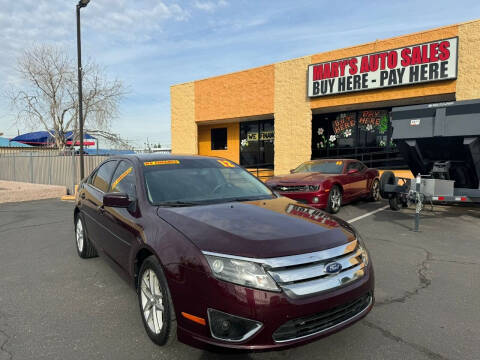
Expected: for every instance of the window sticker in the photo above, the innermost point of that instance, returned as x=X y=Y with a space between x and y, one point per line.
x=226 y=163
x=339 y=163
x=161 y=162
x=121 y=177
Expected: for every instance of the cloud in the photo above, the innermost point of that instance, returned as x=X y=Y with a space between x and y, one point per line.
x=209 y=5
x=133 y=23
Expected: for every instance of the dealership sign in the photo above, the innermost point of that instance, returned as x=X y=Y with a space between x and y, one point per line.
x=433 y=61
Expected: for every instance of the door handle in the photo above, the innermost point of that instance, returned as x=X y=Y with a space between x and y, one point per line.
x=101 y=210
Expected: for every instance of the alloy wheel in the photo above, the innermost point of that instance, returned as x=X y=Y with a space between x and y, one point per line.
x=336 y=198
x=152 y=301
x=79 y=235
x=376 y=190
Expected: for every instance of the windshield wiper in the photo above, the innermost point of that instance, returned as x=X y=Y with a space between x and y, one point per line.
x=251 y=198
x=178 y=203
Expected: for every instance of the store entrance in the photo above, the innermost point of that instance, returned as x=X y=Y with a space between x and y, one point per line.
x=364 y=135
x=257 y=147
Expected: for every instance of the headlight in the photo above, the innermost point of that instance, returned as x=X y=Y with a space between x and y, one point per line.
x=364 y=254
x=241 y=272
x=361 y=247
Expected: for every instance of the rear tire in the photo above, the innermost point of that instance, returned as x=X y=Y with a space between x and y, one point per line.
x=334 y=199
x=375 y=191
x=155 y=302
x=84 y=247
x=387 y=178
x=394 y=203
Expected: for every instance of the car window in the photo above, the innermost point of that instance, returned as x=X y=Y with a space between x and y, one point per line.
x=91 y=177
x=355 y=165
x=321 y=166
x=123 y=180
x=104 y=175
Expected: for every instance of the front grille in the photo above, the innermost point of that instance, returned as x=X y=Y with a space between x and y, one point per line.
x=307 y=274
x=291 y=188
x=315 y=324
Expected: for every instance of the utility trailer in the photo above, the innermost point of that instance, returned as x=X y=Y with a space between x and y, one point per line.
x=441 y=145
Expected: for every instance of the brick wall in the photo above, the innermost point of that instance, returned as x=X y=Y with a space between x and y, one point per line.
x=293 y=117
x=183 y=126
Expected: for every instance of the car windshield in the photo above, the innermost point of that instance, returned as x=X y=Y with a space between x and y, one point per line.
x=186 y=182
x=324 y=166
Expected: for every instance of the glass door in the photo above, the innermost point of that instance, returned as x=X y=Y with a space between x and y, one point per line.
x=257 y=143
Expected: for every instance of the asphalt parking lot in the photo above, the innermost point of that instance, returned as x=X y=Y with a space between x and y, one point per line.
x=54 y=305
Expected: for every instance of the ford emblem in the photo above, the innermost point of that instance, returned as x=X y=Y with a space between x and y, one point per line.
x=333 y=268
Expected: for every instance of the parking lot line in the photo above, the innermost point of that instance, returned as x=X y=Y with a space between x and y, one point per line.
x=367 y=214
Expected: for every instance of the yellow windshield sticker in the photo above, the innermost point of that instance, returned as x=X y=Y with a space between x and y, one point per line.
x=226 y=163
x=121 y=177
x=339 y=163
x=161 y=162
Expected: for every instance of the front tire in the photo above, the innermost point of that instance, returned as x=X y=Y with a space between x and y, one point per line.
x=84 y=247
x=156 y=307
x=375 y=191
x=334 y=199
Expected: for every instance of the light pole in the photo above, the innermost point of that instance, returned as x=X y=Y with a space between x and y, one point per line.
x=81 y=4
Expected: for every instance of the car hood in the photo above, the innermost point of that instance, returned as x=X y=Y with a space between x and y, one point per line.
x=303 y=178
x=259 y=229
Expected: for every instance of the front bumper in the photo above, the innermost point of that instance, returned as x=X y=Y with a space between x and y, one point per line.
x=307 y=198
x=273 y=310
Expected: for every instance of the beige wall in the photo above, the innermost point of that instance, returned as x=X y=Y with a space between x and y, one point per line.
x=293 y=117
x=183 y=126
x=468 y=81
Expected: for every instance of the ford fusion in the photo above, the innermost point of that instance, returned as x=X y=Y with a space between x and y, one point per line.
x=217 y=258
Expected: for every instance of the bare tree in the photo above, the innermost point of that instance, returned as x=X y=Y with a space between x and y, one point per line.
x=48 y=98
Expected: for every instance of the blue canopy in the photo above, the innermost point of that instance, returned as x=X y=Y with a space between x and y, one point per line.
x=4 y=142
x=44 y=137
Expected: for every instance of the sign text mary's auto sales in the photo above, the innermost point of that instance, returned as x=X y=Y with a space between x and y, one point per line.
x=414 y=64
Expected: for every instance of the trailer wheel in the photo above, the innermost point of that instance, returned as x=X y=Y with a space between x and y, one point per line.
x=394 y=202
x=387 y=178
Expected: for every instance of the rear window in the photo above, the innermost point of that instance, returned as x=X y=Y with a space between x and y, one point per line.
x=201 y=181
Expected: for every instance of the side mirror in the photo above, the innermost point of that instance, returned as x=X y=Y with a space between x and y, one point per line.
x=291 y=171
x=119 y=200
x=352 y=171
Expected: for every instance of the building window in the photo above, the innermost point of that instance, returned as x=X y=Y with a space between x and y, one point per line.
x=373 y=128
x=364 y=135
x=219 y=139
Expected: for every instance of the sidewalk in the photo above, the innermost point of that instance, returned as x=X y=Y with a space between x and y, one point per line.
x=12 y=191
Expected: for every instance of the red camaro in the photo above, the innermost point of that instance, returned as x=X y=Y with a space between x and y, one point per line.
x=327 y=184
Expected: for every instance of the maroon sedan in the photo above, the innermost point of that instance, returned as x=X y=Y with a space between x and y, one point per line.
x=217 y=258
x=327 y=184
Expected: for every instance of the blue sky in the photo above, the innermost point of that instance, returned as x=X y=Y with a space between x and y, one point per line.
x=152 y=44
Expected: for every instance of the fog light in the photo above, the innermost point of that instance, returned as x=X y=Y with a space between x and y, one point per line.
x=232 y=328
x=315 y=200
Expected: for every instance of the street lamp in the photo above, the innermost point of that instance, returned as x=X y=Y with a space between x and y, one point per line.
x=81 y=4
